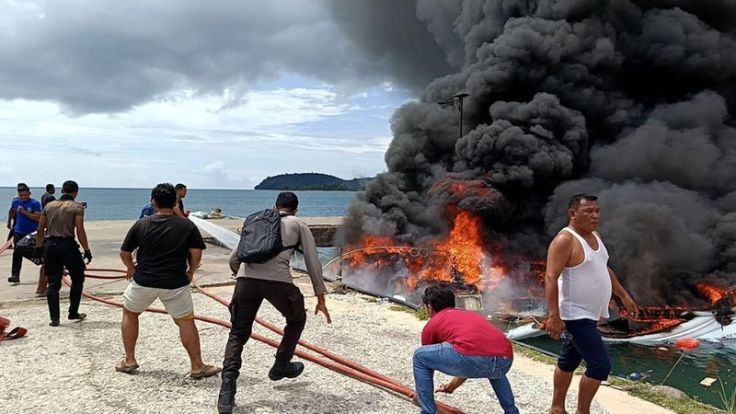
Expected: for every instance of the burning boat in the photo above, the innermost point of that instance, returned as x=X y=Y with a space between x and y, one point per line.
x=665 y=324
x=384 y=268
x=482 y=280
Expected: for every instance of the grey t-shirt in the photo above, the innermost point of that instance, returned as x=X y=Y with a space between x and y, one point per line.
x=293 y=231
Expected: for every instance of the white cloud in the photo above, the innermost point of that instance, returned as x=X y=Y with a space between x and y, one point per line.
x=204 y=139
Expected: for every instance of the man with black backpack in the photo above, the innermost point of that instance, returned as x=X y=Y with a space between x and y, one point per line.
x=261 y=260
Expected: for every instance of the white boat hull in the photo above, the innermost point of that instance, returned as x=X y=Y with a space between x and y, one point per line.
x=702 y=326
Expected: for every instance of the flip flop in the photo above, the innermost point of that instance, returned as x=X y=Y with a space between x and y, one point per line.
x=128 y=369
x=206 y=371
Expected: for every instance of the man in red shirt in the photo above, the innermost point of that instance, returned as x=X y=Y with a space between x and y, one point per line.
x=463 y=344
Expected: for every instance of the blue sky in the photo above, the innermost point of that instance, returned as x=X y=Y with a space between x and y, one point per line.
x=118 y=95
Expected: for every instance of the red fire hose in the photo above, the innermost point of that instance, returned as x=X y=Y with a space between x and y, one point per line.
x=5 y=246
x=334 y=362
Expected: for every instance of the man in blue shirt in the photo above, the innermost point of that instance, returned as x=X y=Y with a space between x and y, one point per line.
x=147 y=211
x=26 y=212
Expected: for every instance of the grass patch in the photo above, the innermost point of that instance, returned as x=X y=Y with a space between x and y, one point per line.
x=533 y=354
x=645 y=392
x=420 y=313
x=729 y=401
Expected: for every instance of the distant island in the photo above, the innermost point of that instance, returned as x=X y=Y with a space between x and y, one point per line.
x=312 y=181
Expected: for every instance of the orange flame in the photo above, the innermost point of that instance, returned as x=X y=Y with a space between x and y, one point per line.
x=465 y=246
x=460 y=257
x=713 y=293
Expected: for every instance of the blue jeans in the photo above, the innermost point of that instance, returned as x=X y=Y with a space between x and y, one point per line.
x=443 y=357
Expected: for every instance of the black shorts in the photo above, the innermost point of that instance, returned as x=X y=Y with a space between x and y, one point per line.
x=582 y=341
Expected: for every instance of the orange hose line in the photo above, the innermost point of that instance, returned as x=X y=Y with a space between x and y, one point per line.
x=337 y=364
x=5 y=246
x=306 y=344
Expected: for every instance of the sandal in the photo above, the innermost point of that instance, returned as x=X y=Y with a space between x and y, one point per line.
x=206 y=371
x=128 y=369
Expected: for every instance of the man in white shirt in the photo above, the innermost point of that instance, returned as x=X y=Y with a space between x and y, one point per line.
x=578 y=287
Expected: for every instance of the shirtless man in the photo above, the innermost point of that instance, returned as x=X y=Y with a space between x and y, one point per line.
x=578 y=287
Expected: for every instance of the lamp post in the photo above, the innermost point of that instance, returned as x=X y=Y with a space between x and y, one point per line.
x=457 y=100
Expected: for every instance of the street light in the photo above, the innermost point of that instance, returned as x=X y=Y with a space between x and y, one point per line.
x=458 y=101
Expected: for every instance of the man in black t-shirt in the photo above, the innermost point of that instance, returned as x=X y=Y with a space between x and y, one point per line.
x=181 y=192
x=48 y=196
x=169 y=251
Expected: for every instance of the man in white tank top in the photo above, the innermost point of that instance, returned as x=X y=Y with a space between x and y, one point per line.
x=578 y=287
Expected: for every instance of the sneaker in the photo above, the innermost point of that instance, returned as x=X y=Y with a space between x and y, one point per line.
x=78 y=317
x=290 y=370
x=54 y=323
x=14 y=281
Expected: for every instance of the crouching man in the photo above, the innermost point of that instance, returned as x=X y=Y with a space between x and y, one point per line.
x=463 y=344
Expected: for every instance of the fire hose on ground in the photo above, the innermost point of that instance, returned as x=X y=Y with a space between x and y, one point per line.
x=333 y=362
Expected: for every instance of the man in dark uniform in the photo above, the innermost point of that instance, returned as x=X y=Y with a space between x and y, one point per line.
x=59 y=221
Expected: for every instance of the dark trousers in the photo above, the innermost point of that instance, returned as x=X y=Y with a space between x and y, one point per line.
x=17 y=256
x=60 y=254
x=247 y=298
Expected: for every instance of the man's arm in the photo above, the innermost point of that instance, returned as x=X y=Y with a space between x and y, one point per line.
x=41 y=231
x=429 y=336
x=234 y=261
x=81 y=233
x=195 y=258
x=11 y=216
x=450 y=387
x=618 y=290
x=82 y=236
x=557 y=256
x=127 y=258
x=30 y=215
x=314 y=269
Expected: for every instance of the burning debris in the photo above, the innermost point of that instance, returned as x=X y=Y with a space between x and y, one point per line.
x=629 y=100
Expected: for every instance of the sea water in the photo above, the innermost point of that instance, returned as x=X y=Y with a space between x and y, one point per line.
x=712 y=359
x=126 y=203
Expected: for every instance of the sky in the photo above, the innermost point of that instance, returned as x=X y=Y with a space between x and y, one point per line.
x=213 y=94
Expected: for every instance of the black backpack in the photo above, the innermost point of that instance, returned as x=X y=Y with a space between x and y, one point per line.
x=261 y=237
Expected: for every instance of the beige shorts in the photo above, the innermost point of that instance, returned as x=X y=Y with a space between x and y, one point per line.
x=178 y=302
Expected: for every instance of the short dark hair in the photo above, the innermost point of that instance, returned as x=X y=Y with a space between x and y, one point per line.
x=180 y=186
x=287 y=199
x=164 y=195
x=69 y=187
x=439 y=297
x=50 y=188
x=22 y=187
x=577 y=198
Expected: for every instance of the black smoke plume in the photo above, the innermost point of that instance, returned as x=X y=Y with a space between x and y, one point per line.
x=630 y=100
